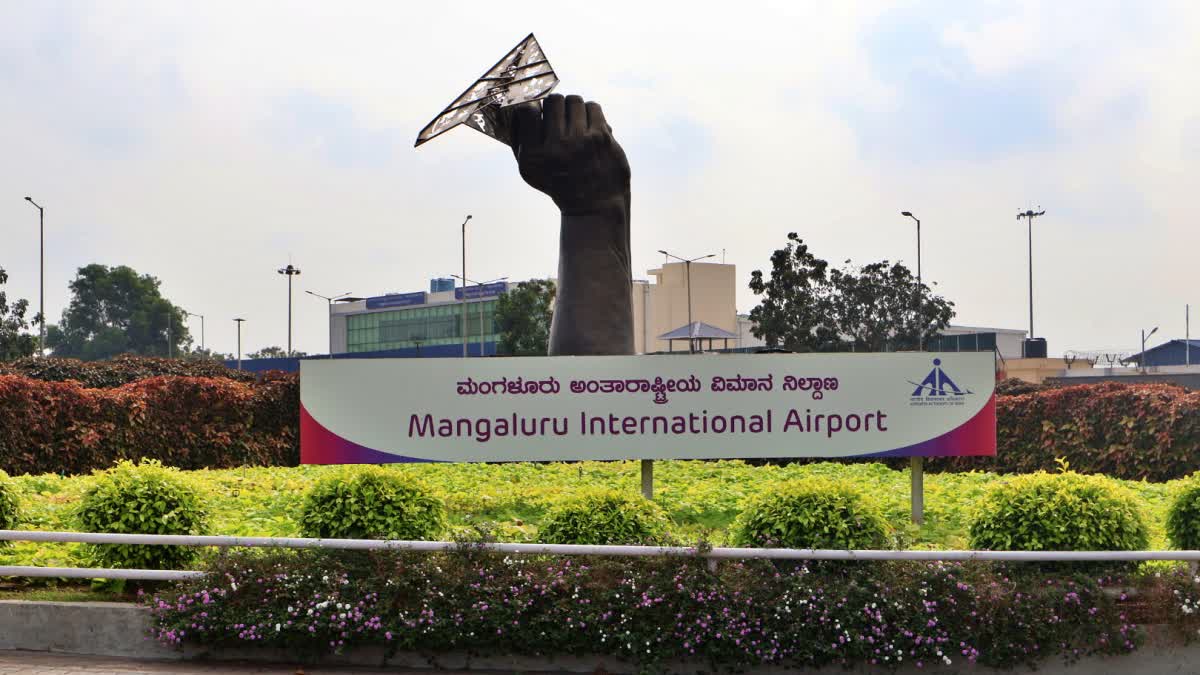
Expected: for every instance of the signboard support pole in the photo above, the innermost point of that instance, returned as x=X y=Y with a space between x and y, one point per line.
x=648 y=478
x=916 y=470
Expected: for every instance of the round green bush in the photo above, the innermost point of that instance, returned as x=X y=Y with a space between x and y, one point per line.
x=372 y=503
x=1183 y=519
x=145 y=498
x=8 y=504
x=812 y=513
x=604 y=517
x=1058 y=512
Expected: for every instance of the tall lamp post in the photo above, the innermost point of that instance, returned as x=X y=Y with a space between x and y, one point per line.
x=1029 y=215
x=687 y=264
x=290 y=271
x=42 y=282
x=464 y=285
x=201 y=326
x=480 y=284
x=916 y=465
x=921 y=330
x=239 y=346
x=1142 y=356
x=329 y=300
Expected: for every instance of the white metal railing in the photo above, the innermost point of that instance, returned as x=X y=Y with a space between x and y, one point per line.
x=712 y=554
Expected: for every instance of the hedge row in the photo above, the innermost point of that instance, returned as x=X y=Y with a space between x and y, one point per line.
x=1133 y=431
x=187 y=422
x=120 y=370
x=1128 y=431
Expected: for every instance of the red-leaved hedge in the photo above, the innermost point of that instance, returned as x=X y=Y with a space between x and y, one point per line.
x=119 y=370
x=1130 y=431
x=187 y=422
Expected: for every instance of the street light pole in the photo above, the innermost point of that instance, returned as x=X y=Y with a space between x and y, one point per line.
x=480 y=284
x=290 y=271
x=329 y=313
x=916 y=465
x=201 y=327
x=239 y=346
x=464 y=285
x=1142 y=357
x=1029 y=215
x=42 y=273
x=921 y=328
x=687 y=266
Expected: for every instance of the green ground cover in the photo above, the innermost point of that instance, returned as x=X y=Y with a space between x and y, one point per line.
x=702 y=498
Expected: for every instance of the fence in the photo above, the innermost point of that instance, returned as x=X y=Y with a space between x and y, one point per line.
x=713 y=555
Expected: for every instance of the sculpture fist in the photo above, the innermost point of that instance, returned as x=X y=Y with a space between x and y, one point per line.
x=566 y=149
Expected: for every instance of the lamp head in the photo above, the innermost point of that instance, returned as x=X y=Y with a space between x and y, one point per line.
x=906 y=213
x=29 y=199
x=663 y=252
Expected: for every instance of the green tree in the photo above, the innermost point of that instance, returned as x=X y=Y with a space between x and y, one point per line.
x=880 y=307
x=796 y=313
x=274 y=352
x=523 y=316
x=810 y=307
x=114 y=310
x=14 y=342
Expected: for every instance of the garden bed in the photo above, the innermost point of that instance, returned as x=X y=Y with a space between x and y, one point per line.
x=701 y=499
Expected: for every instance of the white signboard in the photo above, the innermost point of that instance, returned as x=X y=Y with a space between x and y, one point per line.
x=366 y=411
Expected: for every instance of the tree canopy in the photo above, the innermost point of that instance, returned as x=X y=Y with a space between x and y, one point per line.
x=810 y=307
x=14 y=341
x=114 y=310
x=274 y=352
x=523 y=316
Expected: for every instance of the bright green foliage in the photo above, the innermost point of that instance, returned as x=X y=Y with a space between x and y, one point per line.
x=372 y=503
x=1183 y=519
x=600 y=517
x=145 y=498
x=812 y=513
x=1058 y=512
x=8 y=504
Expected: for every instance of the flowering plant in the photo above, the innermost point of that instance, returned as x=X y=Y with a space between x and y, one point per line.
x=652 y=612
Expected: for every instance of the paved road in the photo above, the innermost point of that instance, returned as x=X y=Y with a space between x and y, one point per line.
x=40 y=663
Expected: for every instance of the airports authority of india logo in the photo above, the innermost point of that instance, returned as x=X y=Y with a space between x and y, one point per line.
x=937 y=389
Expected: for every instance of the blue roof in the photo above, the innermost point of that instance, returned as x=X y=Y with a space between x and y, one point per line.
x=698 y=329
x=1169 y=343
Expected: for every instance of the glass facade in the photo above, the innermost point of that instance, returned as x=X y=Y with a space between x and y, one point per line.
x=419 y=326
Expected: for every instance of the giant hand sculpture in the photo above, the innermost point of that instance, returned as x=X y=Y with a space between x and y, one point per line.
x=565 y=148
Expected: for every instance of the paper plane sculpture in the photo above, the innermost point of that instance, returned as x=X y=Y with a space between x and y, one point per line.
x=522 y=75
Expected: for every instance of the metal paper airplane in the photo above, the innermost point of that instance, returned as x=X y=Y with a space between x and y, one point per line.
x=522 y=75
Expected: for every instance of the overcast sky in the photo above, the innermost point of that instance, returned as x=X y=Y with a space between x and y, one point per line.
x=211 y=143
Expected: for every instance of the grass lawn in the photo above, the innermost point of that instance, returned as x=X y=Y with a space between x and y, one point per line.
x=702 y=498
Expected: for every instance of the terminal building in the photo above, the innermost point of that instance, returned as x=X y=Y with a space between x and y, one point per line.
x=429 y=323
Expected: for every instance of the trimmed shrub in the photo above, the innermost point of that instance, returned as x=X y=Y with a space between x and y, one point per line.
x=186 y=422
x=372 y=503
x=145 y=498
x=604 y=517
x=119 y=370
x=1058 y=512
x=1015 y=387
x=1183 y=518
x=9 y=515
x=812 y=513
x=1128 y=431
